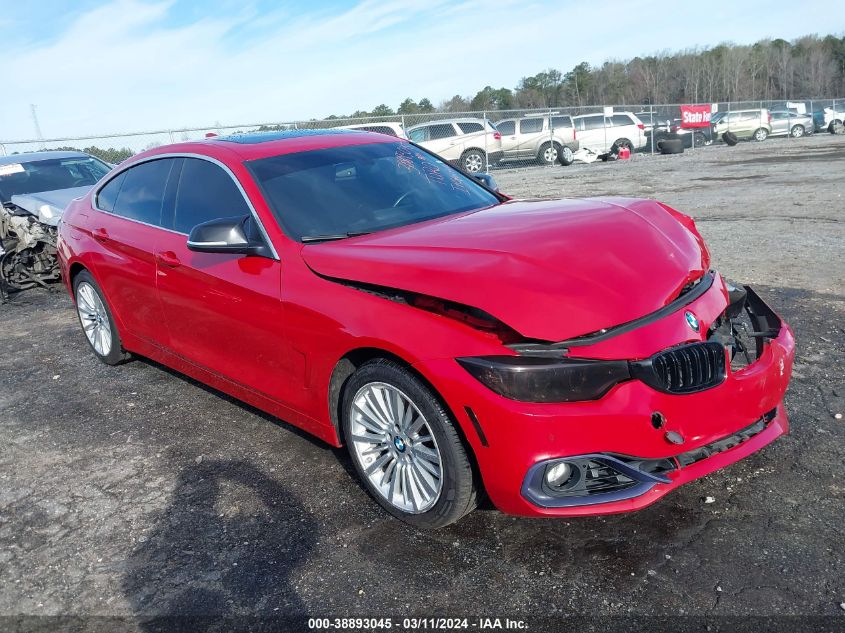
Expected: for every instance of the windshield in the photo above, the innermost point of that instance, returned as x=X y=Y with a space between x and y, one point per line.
x=331 y=193
x=49 y=175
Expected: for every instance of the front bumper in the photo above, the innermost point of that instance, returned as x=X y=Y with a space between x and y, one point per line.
x=510 y=438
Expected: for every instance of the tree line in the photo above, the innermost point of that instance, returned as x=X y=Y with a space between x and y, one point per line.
x=771 y=69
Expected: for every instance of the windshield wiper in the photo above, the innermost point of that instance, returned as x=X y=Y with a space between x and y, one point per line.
x=328 y=238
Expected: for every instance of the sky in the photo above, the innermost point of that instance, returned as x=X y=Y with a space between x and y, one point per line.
x=112 y=66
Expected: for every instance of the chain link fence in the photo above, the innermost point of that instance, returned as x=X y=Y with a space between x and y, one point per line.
x=495 y=139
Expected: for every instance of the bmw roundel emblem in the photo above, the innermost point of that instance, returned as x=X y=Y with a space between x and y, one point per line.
x=692 y=320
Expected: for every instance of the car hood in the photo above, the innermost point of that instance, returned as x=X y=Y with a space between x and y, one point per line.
x=551 y=270
x=59 y=199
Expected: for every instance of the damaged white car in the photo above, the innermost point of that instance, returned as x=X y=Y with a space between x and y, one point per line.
x=35 y=188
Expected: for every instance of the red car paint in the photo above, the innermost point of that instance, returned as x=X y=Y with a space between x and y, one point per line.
x=271 y=332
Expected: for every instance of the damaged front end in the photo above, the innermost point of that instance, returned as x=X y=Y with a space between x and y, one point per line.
x=27 y=249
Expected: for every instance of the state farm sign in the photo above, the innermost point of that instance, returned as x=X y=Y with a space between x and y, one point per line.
x=695 y=116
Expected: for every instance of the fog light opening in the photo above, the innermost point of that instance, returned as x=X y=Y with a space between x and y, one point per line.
x=559 y=475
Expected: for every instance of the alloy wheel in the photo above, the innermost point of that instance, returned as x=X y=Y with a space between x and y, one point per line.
x=473 y=162
x=550 y=155
x=567 y=154
x=94 y=318
x=395 y=448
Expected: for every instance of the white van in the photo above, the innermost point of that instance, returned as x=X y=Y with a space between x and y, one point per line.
x=599 y=132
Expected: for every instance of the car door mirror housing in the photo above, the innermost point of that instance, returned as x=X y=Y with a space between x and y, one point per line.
x=487 y=180
x=227 y=235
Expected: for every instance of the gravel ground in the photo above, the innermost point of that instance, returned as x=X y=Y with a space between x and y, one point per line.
x=136 y=492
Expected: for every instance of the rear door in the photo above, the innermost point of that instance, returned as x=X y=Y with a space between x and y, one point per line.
x=444 y=141
x=530 y=133
x=593 y=134
x=510 y=142
x=223 y=311
x=128 y=227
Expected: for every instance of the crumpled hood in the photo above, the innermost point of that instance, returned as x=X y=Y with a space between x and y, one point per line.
x=551 y=270
x=59 y=199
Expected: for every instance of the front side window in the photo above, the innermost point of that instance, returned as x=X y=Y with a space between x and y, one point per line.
x=470 y=128
x=205 y=192
x=363 y=188
x=593 y=122
x=530 y=126
x=141 y=195
x=419 y=135
x=441 y=130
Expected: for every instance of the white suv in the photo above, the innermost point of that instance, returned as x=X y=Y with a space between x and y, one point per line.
x=599 y=132
x=461 y=141
x=537 y=138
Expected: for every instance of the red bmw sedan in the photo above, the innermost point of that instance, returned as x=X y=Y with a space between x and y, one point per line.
x=563 y=357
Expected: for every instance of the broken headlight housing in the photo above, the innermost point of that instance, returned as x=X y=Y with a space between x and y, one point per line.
x=538 y=379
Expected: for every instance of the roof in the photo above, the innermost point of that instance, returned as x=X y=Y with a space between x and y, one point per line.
x=456 y=120
x=250 y=138
x=31 y=157
x=256 y=145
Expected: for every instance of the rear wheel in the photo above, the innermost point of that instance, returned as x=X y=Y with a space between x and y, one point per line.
x=405 y=448
x=797 y=131
x=473 y=161
x=761 y=134
x=97 y=321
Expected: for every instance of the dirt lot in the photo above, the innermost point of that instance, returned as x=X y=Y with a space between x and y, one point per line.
x=133 y=491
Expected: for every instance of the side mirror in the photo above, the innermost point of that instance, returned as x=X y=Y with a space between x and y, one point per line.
x=227 y=235
x=487 y=180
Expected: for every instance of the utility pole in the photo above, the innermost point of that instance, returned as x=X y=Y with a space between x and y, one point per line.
x=38 y=133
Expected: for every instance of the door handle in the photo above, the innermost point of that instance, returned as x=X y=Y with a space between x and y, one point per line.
x=168 y=258
x=101 y=235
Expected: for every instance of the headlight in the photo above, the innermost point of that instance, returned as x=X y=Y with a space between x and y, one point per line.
x=536 y=379
x=48 y=214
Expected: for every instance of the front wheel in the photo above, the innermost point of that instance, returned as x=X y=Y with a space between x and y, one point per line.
x=797 y=131
x=97 y=321
x=761 y=134
x=473 y=161
x=405 y=448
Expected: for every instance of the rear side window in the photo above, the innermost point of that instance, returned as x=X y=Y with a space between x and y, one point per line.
x=530 y=126
x=206 y=192
x=561 y=121
x=108 y=194
x=381 y=129
x=470 y=128
x=142 y=194
x=620 y=120
x=506 y=127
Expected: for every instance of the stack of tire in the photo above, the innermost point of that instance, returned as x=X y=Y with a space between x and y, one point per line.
x=671 y=144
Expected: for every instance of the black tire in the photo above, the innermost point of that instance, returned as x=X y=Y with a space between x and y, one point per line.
x=116 y=354
x=473 y=161
x=623 y=142
x=760 y=134
x=699 y=139
x=730 y=138
x=459 y=492
x=672 y=146
x=797 y=131
x=565 y=156
x=553 y=156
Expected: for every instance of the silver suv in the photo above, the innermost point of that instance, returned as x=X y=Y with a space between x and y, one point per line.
x=546 y=139
x=461 y=141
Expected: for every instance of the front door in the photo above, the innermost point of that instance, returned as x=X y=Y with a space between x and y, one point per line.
x=223 y=311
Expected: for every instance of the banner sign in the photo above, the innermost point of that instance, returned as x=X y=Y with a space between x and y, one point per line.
x=695 y=116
